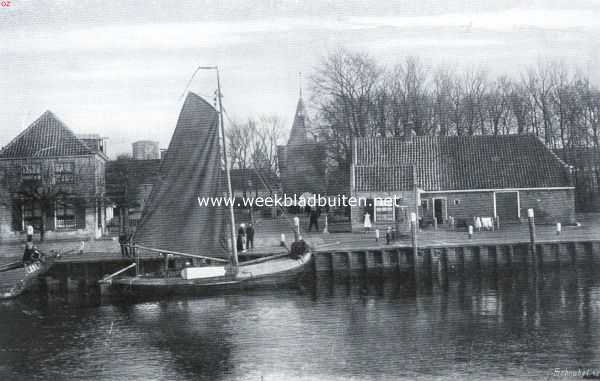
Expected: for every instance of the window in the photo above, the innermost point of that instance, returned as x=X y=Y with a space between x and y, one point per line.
x=32 y=214
x=456 y=202
x=65 y=216
x=63 y=172
x=384 y=210
x=424 y=204
x=31 y=171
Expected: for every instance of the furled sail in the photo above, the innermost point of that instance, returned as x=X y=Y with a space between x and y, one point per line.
x=172 y=218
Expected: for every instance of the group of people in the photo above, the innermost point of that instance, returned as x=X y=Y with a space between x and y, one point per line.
x=245 y=237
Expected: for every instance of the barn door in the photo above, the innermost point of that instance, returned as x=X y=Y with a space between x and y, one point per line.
x=507 y=206
x=440 y=210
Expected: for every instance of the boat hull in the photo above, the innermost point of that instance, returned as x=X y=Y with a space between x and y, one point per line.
x=27 y=275
x=250 y=276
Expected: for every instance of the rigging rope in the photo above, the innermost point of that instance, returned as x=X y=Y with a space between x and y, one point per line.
x=270 y=189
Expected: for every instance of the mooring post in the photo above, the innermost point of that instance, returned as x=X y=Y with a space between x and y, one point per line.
x=413 y=230
x=531 y=218
x=282 y=240
x=296 y=227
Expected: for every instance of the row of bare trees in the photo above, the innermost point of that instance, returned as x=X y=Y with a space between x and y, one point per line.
x=354 y=95
x=252 y=146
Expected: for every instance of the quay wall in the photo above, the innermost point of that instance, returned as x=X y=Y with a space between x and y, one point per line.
x=438 y=261
x=458 y=258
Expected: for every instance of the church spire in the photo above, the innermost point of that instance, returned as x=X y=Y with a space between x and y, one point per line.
x=299 y=133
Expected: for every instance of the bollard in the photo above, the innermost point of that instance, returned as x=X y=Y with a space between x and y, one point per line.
x=376 y=235
x=413 y=230
x=531 y=218
x=470 y=231
x=296 y=228
x=558 y=228
x=282 y=240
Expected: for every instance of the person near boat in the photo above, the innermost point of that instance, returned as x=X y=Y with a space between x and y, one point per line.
x=31 y=253
x=250 y=236
x=298 y=248
x=28 y=253
x=241 y=238
x=314 y=218
x=124 y=242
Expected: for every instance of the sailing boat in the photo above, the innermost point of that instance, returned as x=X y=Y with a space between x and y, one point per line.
x=174 y=224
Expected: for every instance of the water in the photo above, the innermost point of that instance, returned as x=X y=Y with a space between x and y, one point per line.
x=490 y=327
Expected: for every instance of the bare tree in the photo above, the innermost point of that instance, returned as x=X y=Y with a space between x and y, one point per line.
x=344 y=89
x=42 y=186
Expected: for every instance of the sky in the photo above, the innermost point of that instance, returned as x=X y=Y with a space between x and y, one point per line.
x=119 y=68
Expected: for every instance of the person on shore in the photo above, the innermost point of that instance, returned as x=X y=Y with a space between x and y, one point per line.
x=28 y=254
x=388 y=235
x=298 y=248
x=250 y=236
x=314 y=219
x=241 y=238
x=124 y=242
x=367 y=222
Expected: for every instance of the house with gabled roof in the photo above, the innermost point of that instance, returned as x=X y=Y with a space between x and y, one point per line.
x=53 y=181
x=457 y=178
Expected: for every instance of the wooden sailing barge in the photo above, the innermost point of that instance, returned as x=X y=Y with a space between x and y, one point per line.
x=176 y=226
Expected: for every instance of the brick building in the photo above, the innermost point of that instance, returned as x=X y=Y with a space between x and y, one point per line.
x=460 y=177
x=52 y=180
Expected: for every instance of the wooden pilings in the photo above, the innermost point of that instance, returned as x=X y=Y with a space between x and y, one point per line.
x=439 y=261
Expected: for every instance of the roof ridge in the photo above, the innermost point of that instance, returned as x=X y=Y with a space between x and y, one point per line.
x=48 y=115
x=20 y=134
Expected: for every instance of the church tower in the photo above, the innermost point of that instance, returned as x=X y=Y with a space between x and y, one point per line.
x=302 y=160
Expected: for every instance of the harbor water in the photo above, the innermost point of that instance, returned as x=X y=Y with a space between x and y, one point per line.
x=492 y=325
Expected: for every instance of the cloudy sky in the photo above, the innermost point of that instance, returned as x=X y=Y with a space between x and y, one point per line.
x=118 y=68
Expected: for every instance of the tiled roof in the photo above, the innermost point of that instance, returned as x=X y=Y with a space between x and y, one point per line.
x=46 y=137
x=467 y=162
x=580 y=157
x=383 y=179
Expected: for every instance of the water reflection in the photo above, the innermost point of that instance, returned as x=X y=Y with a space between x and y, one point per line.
x=495 y=324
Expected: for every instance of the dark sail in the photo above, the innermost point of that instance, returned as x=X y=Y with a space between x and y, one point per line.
x=172 y=218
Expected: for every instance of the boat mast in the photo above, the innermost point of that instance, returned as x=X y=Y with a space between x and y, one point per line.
x=234 y=254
